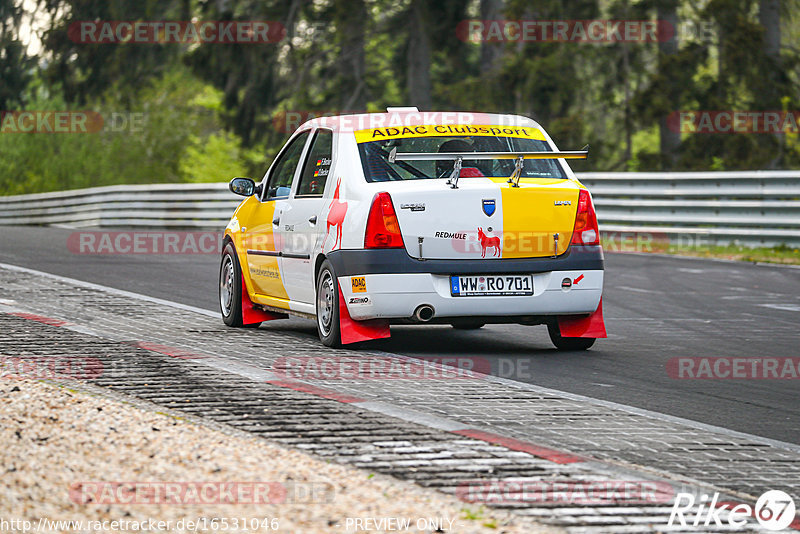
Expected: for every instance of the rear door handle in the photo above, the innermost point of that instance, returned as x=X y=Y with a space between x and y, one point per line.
x=313 y=219
x=277 y=220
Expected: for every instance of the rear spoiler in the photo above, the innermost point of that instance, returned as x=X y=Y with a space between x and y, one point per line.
x=458 y=157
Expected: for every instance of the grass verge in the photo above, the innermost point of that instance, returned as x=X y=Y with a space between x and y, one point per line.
x=782 y=254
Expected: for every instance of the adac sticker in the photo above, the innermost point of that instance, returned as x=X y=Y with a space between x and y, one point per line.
x=399 y=132
x=359 y=284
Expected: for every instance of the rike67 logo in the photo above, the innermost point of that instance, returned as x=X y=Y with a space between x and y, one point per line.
x=774 y=510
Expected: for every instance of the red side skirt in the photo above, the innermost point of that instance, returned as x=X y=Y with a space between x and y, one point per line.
x=251 y=314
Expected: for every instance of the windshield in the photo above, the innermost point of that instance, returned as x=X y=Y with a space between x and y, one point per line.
x=377 y=168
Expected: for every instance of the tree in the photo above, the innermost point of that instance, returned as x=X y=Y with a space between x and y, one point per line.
x=418 y=57
x=85 y=70
x=769 y=17
x=246 y=73
x=15 y=65
x=349 y=18
x=490 y=52
x=669 y=139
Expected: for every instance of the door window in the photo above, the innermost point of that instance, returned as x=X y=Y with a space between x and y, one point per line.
x=280 y=179
x=318 y=165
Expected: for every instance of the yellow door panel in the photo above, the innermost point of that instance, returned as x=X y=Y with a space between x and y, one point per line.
x=258 y=251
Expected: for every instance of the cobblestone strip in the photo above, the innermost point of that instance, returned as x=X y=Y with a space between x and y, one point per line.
x=330 y=429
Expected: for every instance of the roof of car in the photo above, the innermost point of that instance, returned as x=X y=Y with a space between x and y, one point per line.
x=366 y=121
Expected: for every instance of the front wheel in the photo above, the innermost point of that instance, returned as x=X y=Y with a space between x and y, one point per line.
x=328 y=326
x=567 y=343
x=230 y=289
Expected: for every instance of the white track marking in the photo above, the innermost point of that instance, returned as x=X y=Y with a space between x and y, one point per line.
x=112 y=290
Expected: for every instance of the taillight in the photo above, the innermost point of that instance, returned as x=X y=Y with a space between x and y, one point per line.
x=586 y=231
x=383 y=230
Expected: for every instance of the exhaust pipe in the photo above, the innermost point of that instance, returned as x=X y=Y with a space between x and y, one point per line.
x=424 y=313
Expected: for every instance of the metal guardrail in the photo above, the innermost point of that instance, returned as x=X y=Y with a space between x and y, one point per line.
x=750 y=207
x=125 y=206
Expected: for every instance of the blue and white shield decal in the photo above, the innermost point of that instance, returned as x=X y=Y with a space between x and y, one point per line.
x=489 y=206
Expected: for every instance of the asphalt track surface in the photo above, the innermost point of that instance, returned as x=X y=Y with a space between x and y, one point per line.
x=656 y=308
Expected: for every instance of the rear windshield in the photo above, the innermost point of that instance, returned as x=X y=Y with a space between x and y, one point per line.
x=375 y=158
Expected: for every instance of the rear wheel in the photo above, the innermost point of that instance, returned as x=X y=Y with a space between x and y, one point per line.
x=230 y=289
x=328 y=306
x=567 y=343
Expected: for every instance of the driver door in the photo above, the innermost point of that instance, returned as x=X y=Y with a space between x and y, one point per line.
x=264 y=240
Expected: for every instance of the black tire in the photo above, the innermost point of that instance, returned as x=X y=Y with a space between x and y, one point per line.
x=230 y=289
x=468 y=325
x=568 y=343
x=327 y=300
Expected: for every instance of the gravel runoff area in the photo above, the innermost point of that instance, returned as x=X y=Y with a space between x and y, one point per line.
x=64 y=453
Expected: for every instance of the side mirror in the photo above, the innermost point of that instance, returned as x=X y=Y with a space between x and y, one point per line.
x=242 y=186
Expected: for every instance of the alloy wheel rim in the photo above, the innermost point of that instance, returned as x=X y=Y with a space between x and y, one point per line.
x=325 y=304
x=226 y=286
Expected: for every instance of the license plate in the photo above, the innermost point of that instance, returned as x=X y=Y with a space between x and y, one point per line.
x=491 y=285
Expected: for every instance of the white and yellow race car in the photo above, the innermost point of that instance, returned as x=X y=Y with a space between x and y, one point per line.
x=363 y=221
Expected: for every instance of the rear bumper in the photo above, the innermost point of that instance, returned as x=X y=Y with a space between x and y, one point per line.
x=397 y=284
x=397 y=261
x=397 y=296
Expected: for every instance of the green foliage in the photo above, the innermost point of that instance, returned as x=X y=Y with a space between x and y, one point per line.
x=87 y=71
x=781 y=254
x=218 y=157
x=178 y=136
